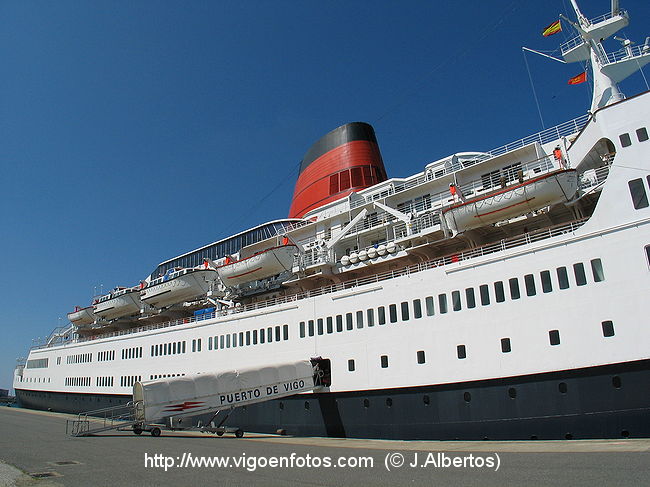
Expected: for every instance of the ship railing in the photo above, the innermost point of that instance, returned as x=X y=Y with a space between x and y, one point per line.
x=625 y=53
x=594 y=177
x=608 y=15
x=571 y=44
x=545 y=136
x=450 y=259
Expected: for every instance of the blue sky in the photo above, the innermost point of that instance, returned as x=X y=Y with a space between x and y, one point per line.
x=131 y=132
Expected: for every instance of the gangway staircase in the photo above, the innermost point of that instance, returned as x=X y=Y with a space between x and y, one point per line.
x=88 y=423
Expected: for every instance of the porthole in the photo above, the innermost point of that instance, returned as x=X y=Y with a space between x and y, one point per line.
x=389 y=402
x=426 y=400
x=307 y=405
x=366 y=403
x=562 y=387
x=281 y=405
x=467 y=396
x=512 y=392
x=616 y=382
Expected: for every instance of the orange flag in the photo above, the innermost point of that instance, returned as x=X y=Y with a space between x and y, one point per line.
x=576 y=80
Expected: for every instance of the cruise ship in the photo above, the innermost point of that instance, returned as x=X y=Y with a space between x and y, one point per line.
x=499 y=294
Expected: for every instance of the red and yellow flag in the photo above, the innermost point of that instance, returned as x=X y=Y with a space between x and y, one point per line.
x=553 y=28
x=576 y=80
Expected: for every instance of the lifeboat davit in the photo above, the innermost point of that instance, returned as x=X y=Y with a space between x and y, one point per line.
x=512 y=201
x=266 y=263
x=118 y=303
x=177 y=286
x=82 y=316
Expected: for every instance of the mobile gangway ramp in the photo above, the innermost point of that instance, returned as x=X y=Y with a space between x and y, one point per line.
x=165 y=403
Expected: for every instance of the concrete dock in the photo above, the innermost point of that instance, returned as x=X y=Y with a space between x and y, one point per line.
x=34 y=450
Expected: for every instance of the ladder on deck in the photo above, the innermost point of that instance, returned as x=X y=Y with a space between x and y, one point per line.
x=113 y=418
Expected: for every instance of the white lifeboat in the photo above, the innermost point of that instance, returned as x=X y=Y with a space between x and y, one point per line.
x=531 y=195
x=118 y=303
x=82 y=316
x=266 y=263
x=178 y=285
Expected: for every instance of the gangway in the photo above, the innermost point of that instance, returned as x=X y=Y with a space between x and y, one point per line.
x=168 y=403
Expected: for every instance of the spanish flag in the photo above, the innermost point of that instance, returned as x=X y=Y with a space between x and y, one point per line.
x=576 y=80
x=553 y=28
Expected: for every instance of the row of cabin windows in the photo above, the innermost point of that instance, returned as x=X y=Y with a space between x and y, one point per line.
x=641 y=136
x=129 y=353
x=168 y=348
x=129 y=380
x=354 y=178
x=607 y=328
x=77 y=381
x=359 y=319
x=638 y=192
x=34 y=379
x=80 y=358
x=104 y=382
x=107 y=355
x=250 y=337
x=164 y=376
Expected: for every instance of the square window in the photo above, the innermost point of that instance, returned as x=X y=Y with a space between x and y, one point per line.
x=302 y=329
x=608 y=328
x=428 y=301
x=470 y=298
x=442 y=303
x=370 y=315
x=421 y=358
x=513 y=283
x=461 y=351
x=319 y=326
x=554 y=337
x=381 y=312
x=310 y=328
x=417 y=309
x=499 y=293
x=339 y=323
x=392 y=312
x=579 y=272
x=529 y=281
x=384 y=361
x=351 y=365
x=505 y=345
x=405 y=311
x=638 y=194
x=597 y=270
x=547 y=287
x=625 y=140
x=562 y=277
x=455 y=300
x=359 y=319
x=484 y=291
x=642 y=134
x=348 y=321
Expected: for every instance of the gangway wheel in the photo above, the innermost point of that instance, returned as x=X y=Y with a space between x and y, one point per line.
x=239 y=433
x=137 y=430
x=155 y=432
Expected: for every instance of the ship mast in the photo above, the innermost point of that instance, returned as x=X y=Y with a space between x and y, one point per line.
x=608 y=69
